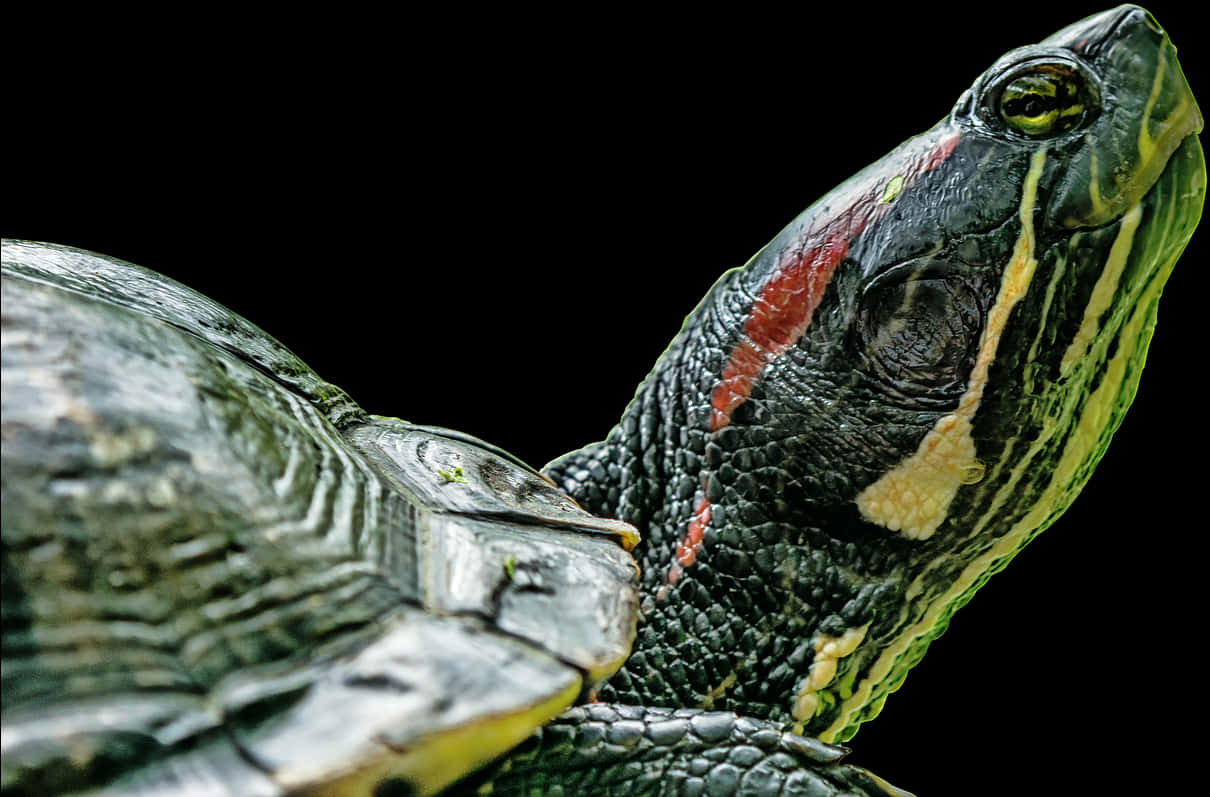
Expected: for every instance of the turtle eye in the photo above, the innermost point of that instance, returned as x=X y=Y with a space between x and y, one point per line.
x=1045 y=100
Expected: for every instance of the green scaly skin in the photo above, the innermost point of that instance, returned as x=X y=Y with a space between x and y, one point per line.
x=1032 y=310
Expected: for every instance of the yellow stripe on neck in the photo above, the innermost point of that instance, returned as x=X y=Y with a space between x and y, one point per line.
x=1104 y=291
x=914 y=497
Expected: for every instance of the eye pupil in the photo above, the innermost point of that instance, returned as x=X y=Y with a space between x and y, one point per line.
x=1047 y=100
x=1029 y=106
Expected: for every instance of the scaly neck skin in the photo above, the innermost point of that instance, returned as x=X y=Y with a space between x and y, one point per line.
x=753 y=557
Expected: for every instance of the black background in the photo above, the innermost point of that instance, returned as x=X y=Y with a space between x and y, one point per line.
x=497 y=223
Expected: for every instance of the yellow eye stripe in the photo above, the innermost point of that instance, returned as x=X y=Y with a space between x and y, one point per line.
x=914 y=497
x=1050 y=465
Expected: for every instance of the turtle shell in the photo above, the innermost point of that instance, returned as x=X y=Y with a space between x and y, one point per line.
x=220 y=575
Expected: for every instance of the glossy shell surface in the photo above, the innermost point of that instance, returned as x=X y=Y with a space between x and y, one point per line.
x=213 y=560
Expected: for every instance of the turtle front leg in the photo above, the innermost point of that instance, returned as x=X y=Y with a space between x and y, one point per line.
x=605 y=748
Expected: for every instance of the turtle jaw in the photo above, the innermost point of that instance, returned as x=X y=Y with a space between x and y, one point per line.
x=1169 y=211
x=1148 y=239
x=1152 y=116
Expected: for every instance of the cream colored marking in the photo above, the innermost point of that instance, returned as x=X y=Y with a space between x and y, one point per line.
x=1082 y=442
x=1029 y=388
x=829 y=650
x=1020 y=463
x=914 y=496
x=1104 y=291
x=718 y=691
x=1146 y=144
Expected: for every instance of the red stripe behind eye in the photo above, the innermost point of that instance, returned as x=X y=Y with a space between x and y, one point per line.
x=781 y=314
x=782 y=310
x=686 y=552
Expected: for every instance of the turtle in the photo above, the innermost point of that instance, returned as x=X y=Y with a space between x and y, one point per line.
x=221 y=574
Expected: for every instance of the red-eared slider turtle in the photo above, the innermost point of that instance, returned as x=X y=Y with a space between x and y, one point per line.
x=221 y=575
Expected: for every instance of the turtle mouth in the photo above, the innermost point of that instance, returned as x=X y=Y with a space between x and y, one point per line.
x=1147 y=112
x=1175 y=153
x=1170 y=209
x=1140 y=248
x=1180 y=134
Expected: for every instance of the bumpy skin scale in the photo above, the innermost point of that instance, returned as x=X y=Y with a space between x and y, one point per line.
x=637 y=750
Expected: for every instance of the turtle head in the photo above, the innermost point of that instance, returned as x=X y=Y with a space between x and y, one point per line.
x=915 y=377
x=1074 y=180
x=979 y=307
x=947 y=340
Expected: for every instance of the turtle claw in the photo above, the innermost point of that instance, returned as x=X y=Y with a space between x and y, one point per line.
x=826 y=753
x=889 y=788
x=814 y=749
